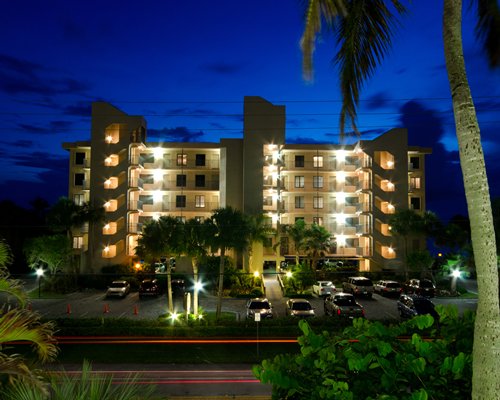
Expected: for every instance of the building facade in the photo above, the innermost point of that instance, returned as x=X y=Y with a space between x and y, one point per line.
x=351 y=190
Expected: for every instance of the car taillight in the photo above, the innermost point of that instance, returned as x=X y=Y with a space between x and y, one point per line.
x=338 y=311
x=363 y=312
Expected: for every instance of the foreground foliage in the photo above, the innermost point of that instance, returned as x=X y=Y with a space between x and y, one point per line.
x=416 y=359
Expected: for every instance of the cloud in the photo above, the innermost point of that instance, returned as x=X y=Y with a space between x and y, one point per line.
x=222 y=68
x=179 y=134
x=18 y=143
x=305 y=140
x=81 y=109
x=377 y=101
x=19 y=76
x=57 y=126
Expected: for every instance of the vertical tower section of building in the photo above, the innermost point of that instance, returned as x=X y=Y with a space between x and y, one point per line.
x=115 y=140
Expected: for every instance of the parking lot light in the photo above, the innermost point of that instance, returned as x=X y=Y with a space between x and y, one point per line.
x=289 y=274
x=455 y=274
x=39 y=273
x=174 y=316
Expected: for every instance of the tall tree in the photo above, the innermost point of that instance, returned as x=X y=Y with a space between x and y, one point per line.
x=194 y=244
x=161 y=238
x=53 y=252
x=229 y=229
x=297 y=232
x=316 y=243
x=364 y=31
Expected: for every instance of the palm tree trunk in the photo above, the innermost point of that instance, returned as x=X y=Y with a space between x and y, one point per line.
x=486 y=350
x=194 y=263
x=169 y=288
x=221 y=283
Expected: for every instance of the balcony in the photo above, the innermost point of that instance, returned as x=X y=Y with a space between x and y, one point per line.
x=134 y=227
x=135 y=205
x=364 y=207
x=363 y=229
x=365 y=251
x=136 y=183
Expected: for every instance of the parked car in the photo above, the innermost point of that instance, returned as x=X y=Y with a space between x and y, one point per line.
x=410 y=305
x=118 y=288
x=358 y=286
x=323 y=288
x=178 y=287
x=423 y=287
x=149 y=287
x=388 y=288
x=343 y=305
x=299 y=308
x=260 y=306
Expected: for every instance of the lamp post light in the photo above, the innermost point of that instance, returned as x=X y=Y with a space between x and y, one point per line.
x=455 y=274
x=39 y=274
x=197 y=287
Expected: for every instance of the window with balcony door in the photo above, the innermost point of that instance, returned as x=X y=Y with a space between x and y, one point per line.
x=79 y=199
x=299 y=202
x=318 y=161
x=317 y=202
x=181 y=180
x=415 y=162
x=199 y=180
x=415 y=183
x=78 y=179
x=180 y=201
x=200 y=160
x=77 y=242
x=299 y=181
x=415 y=203
x=182 y=159
x=317 y=182
x=299 y=161
x=318 y=221
x=199 y=201
x=79 y=158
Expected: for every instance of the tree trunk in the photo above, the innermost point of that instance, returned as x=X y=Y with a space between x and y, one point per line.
x=221 y=283
x=194 y=263
x=486 y=350
x=169 y=288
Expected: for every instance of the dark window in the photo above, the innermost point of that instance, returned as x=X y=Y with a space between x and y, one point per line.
x=415 y=203
x=79 y=178
x=415 y=162
x=180 y=201
x=200 y=160
x=200 y=180
x=79 y=158
x=299 y=202
x=299 y=161
x=181 y=180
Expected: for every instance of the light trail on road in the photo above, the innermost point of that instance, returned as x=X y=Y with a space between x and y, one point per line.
x=161 y=340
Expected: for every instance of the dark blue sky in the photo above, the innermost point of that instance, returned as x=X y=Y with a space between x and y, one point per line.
x=186 y=67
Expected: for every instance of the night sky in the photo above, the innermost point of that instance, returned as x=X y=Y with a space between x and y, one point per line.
x=186 y=66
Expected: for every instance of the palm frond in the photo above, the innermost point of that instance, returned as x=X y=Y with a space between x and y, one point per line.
x=23 y=381
x=364 y=36
x=488 y=29
x=12 y=287
x=314 y=12
x=24 y=325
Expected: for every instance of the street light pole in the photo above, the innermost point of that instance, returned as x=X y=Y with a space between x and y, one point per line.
x=39 y=274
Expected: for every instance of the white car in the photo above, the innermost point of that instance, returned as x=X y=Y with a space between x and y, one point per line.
x=324 y=288
x=118 y=288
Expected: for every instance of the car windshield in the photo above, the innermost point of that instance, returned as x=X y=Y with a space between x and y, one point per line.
x=345 y=301
x=326 y=284
x=363 y=282
x=259 y=305
x=302 y=306
x=426 y=284
x=393 y=285
x=118 y=284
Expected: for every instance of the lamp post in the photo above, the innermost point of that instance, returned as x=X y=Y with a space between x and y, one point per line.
x=39 y=274
x=197 y=287
x=455 y=274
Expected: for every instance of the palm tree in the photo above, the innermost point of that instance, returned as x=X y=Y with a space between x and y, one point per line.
x=229 y=230
x=194 y=244
x=161 y=238
x=21 y=324
x=297 y=233
x=364 y=31
x=317 y=241
x=260 y=230
x=65 y=215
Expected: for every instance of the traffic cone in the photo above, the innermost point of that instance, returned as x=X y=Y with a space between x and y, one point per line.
x=136 y=310
x=106 y=308
x=68 y=309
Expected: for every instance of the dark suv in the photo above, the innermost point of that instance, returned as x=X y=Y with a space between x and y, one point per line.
x=149 y=287
x=358 y=286
x=410 y=305
x=422 y=287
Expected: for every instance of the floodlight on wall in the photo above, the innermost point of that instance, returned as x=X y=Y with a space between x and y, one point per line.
x=157 y=196
x=340 y=154
x=158 y=174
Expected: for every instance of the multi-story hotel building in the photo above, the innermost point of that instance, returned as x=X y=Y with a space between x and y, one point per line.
x=352 y=190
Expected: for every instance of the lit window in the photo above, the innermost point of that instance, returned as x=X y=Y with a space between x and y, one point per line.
x=317 y=202
x=318 y=221
x=318 y=161
x=199 y=201
x=299 y=181
x=317 y=182
x=77 y=242
x=182 y=159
